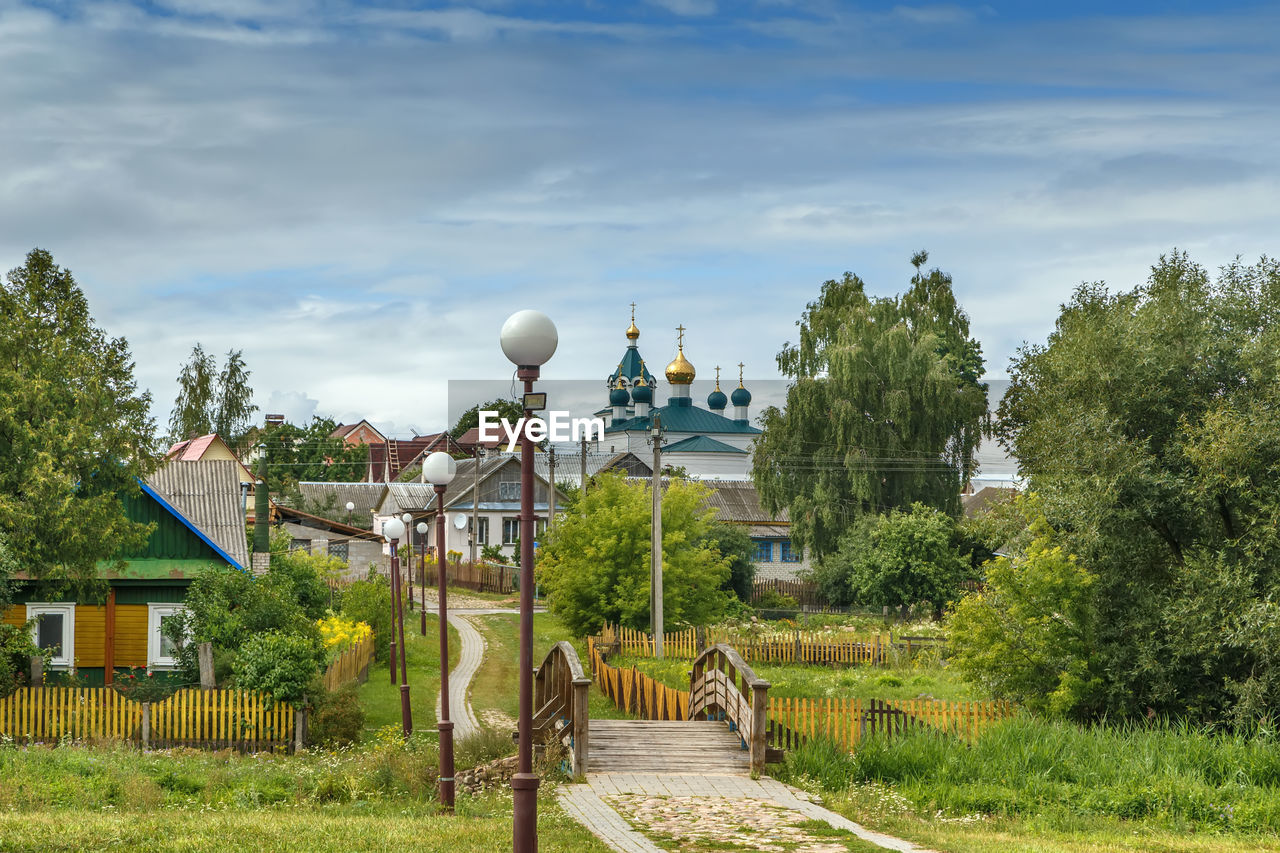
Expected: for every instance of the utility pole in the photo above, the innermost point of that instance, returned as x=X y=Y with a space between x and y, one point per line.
x=584 y=463
x=475 y=504
x=551 y=486
x=655 y=572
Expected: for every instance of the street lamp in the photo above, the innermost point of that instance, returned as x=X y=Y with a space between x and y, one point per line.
x=529 y=339
x=393 y=530
x=408 y=520
x=350 y=508
x=422 y=529
x=439 y=469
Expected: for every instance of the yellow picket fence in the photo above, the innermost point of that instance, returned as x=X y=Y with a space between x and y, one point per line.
x=235 y=719
x=794 y=720
x=798 y=647
x=351 y=665
x=636 y=693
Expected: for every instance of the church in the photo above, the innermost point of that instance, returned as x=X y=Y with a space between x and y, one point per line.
x=709 y=443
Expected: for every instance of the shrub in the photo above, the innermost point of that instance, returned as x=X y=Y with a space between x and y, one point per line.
x=339 y=634
x=337 y=718
x=369 y=601
x=771 y=599
x=282 y=665
x=142 y=686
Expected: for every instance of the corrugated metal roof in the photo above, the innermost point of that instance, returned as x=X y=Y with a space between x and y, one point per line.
x=207 y=493
x=739 y=501
x=366 y=496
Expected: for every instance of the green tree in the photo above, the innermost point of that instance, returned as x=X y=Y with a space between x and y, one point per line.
x=75 y=432
x=509 y=409
x=1147 y=425
x=885 y=408
x=311 y=454
x=212 y=401
x=898 y=559
x=1028 y=636
x=733 y=543
x=595 y=564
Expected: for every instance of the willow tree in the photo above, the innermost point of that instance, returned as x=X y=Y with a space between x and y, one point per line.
x=885 y=408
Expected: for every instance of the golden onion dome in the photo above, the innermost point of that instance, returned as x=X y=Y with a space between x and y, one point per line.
x=632 y=331
x=680 y=371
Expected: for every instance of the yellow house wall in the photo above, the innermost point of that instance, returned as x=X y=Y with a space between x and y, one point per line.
x=91 y=633
x=131 y=635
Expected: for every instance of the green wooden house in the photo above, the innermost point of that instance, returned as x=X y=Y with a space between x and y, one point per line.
x=198 y=510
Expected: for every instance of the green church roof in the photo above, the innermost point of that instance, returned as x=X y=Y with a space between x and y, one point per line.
x=701 y=444
x=685 y=418
x=630 y=368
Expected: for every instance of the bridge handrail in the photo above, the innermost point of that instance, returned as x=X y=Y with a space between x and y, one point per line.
x=714 y=684
x=560 y=693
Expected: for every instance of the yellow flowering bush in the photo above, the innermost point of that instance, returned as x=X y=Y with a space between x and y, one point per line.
x=340 y=634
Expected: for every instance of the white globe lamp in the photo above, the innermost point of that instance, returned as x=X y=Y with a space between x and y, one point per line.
x=439 y=469
x=529 y=338
x=393 y=529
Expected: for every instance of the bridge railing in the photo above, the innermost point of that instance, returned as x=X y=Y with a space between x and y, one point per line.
x=560 y=693
x=722 y=682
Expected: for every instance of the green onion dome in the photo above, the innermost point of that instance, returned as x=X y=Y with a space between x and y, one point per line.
x=741 y=396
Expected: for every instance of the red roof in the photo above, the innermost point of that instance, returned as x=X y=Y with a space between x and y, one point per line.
x=470 y=439
x=193 y=449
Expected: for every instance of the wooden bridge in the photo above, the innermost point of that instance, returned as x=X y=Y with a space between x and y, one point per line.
x=724 y=735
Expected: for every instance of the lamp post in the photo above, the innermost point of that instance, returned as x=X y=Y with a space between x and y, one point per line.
x=408 y=521
x=439 y=470
x=422 y=529
x=393 y=530
x=528 y=339
x=350 y=508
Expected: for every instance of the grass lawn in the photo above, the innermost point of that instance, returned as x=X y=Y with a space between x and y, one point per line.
x=1031 y=784
x=496 y=685
x=381 y=700
x=816 y=682
x=375 y=797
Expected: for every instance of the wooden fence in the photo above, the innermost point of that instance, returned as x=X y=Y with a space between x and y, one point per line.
x=799 y=647
x=792 y=720
x=351 y=665
x=805 y=593
x=636 y=693
x=234 y=719
x=846 y=721
x=481 y=577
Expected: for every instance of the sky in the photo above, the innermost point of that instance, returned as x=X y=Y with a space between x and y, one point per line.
x=357 y=194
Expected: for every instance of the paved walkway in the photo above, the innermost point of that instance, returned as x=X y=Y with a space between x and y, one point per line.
x=720 y=808
x=470 y=656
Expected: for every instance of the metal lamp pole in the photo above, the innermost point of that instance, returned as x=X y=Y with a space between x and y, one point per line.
x=529 y=339
x=440 y=469
x=423 y=528
x=408 y=521
x=395 y=529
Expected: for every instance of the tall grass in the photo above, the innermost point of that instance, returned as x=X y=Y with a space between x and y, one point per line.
x=1174 y=775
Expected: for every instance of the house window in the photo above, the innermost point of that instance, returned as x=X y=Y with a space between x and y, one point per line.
x=55 y=629
x=340 y=550
x=764 y=551
x=510 y=531
x=300 y=545
x=509 y=491
x=789 y=555
x=162 y=652
x=482 y=524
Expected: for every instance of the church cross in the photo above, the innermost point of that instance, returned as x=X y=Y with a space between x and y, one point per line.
x=680 y=339
x=633 y=312
x=740 y=366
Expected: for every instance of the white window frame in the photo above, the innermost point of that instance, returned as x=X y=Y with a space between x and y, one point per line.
x=67 y=609
x=506 y=527
x=156 y=612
